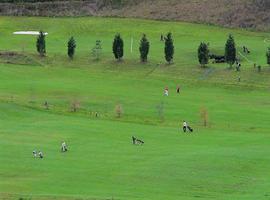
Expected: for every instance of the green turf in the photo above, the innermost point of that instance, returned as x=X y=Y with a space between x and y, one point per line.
x=228 y=159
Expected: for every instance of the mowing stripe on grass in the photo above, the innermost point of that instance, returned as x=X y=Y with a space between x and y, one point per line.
x=206 y=73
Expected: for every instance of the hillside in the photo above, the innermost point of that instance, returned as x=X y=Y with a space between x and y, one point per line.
x=228 y=158
x=251 y=14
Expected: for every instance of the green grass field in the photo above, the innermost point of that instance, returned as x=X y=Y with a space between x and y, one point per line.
x=228 y=159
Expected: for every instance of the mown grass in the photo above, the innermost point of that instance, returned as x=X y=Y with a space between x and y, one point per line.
x=228 y=159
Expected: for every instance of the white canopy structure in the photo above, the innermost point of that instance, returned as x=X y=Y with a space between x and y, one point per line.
x=28 y=33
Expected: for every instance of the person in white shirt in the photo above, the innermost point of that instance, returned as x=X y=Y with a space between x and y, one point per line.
x=166 y=92
x=184 y=126
x=64 y=147
x=35 y=153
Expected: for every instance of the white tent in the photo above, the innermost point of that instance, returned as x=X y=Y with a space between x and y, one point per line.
x=27 y=33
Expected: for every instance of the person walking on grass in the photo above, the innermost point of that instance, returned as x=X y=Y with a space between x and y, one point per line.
x=35 y=153
x=40 y=154
x=63 y=147
x=166 y=92
x=186 y=127
x=178 y=89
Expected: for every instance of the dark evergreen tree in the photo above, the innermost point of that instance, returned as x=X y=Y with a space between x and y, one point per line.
x=71 y=47
x=230 y=51
x=41 y=44
x=118 y=47
x=203 y=54
x=268 y=56
x=144 y=48
x=169 y=48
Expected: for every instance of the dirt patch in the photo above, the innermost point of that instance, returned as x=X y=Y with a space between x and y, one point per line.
x=11 y=57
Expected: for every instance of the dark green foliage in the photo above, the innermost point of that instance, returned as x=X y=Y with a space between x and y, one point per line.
x=71 y=47
x=41 y=44
x=144 y=48
x=230 y=51
x=118 y=47
x=259 y=68
x=203 y=54
x=169 y=48
x=268 y=56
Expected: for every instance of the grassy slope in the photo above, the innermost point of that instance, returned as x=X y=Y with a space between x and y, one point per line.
x=228 y=160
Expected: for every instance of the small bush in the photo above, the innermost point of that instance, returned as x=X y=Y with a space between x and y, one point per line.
x=46 y=105
x=75 y=106
x=204 y=116
x=118 y=111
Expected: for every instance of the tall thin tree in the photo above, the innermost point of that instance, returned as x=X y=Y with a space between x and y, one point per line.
x=144 y=48
x=203 y=54
x=118 y=47
x=41 y=44
x=268 y=56
x=230 y=51
x=71 y=47
x=169 y=48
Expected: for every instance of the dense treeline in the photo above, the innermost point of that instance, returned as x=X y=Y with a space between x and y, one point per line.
x=31 y=1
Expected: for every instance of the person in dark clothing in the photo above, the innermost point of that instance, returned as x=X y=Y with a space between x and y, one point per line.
x=133 y=140
x=40 y=154
x=178 y=90
x=137 y=141
x=161 y=37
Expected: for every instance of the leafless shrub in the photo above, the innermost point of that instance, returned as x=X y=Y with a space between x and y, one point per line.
x=118 y=111
x=46 y=105
x=75 y=106
x=204 y=116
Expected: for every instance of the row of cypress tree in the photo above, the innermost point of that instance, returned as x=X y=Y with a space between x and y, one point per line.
x=118 y=47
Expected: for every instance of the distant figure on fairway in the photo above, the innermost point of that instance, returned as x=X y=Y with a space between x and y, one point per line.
x=46 y=104
x=63 y=147
x=40 y=154
x=161 y=37
x=133 y=140
x=166 y=91
x=137 y=141
x=244 y=49
x=178 y=89
x=238 y=66
x=186 y=127
x=35 y=153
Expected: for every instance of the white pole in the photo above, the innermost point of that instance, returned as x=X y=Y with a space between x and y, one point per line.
x=131 y=45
